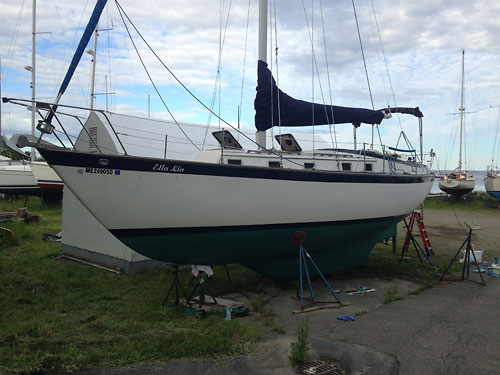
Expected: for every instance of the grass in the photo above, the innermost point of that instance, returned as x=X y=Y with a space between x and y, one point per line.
x=385 y=264
x=393 y=294
x=57 y=317
x=267 y=316
x=474 y=201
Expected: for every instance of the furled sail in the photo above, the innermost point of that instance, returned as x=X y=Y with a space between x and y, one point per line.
x=294 y=112
x=94 y=19
x=405 y=110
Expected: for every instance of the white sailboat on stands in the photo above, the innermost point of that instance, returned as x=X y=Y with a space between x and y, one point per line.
x=458 y=182
x=492 y=179
x=230 y=205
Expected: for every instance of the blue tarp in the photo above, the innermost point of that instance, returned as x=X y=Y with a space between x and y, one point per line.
x=294 y=112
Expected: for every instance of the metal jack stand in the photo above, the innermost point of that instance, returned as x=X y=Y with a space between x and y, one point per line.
x=468 y=252
x=418 y=249
x=202 y=286
x=298 y=239
x=177 y=284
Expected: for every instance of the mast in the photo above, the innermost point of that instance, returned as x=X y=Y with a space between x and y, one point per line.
x=33 y=104
x=461 y=109
x=93 y=53
x=260 y=136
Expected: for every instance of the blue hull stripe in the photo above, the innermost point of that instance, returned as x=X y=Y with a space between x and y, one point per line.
x=494 y=194
x=50 y=181
x=141 y=164
x=239 y=228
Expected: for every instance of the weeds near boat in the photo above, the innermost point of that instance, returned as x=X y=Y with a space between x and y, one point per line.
x=267 y=316
x=393 y=294
x=474 y=201
x=300 y=348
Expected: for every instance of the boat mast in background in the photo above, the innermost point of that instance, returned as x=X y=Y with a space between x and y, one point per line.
x=458 y=183
x=93 y=53
x=461 y=109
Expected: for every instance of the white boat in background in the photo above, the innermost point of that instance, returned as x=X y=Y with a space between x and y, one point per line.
x=492 y=179
x=45 y=176
x=231 y=205
x=492 y=182
x=458 y=182
x=24 y=177
x=16 y=178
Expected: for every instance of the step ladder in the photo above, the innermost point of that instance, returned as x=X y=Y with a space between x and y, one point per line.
x=417 y=216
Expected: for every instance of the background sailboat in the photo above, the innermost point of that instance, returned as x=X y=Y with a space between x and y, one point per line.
x=458 y=182
x=492 y=179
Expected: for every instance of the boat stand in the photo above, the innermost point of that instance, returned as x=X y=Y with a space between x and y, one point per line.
x=298 y=239
x=467 y=262
x=202 y=288
x=177 y=284
x=421 y=253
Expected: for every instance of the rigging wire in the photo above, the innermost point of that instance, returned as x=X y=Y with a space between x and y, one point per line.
x=316 y=62
x=13 y=42
x=244 y=64
x=69 y=54
x=334 y=144
x=222 y=39
x=385 y=62
x=363 y=54
x=123 y=13
x=366 y=69
x=149 y=76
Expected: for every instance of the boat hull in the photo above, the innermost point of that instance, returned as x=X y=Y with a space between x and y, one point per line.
x=492 y=185
x=45 y=176
x=201 y=213
x=17 y=179
x=266 y=249
x=456 y=187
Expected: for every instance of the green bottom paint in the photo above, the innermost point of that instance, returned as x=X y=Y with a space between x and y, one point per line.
x=270 y=251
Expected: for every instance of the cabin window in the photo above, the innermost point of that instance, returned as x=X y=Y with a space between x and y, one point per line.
x=309 y=165
x=368 y=167
x=346 y=166
x=234 y=161
x=274 y=164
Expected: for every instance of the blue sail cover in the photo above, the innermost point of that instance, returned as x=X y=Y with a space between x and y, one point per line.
x=294 y=112
x=94 y=19
x=405 y=110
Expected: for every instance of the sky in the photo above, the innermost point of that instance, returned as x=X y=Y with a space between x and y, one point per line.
x=412 y=50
